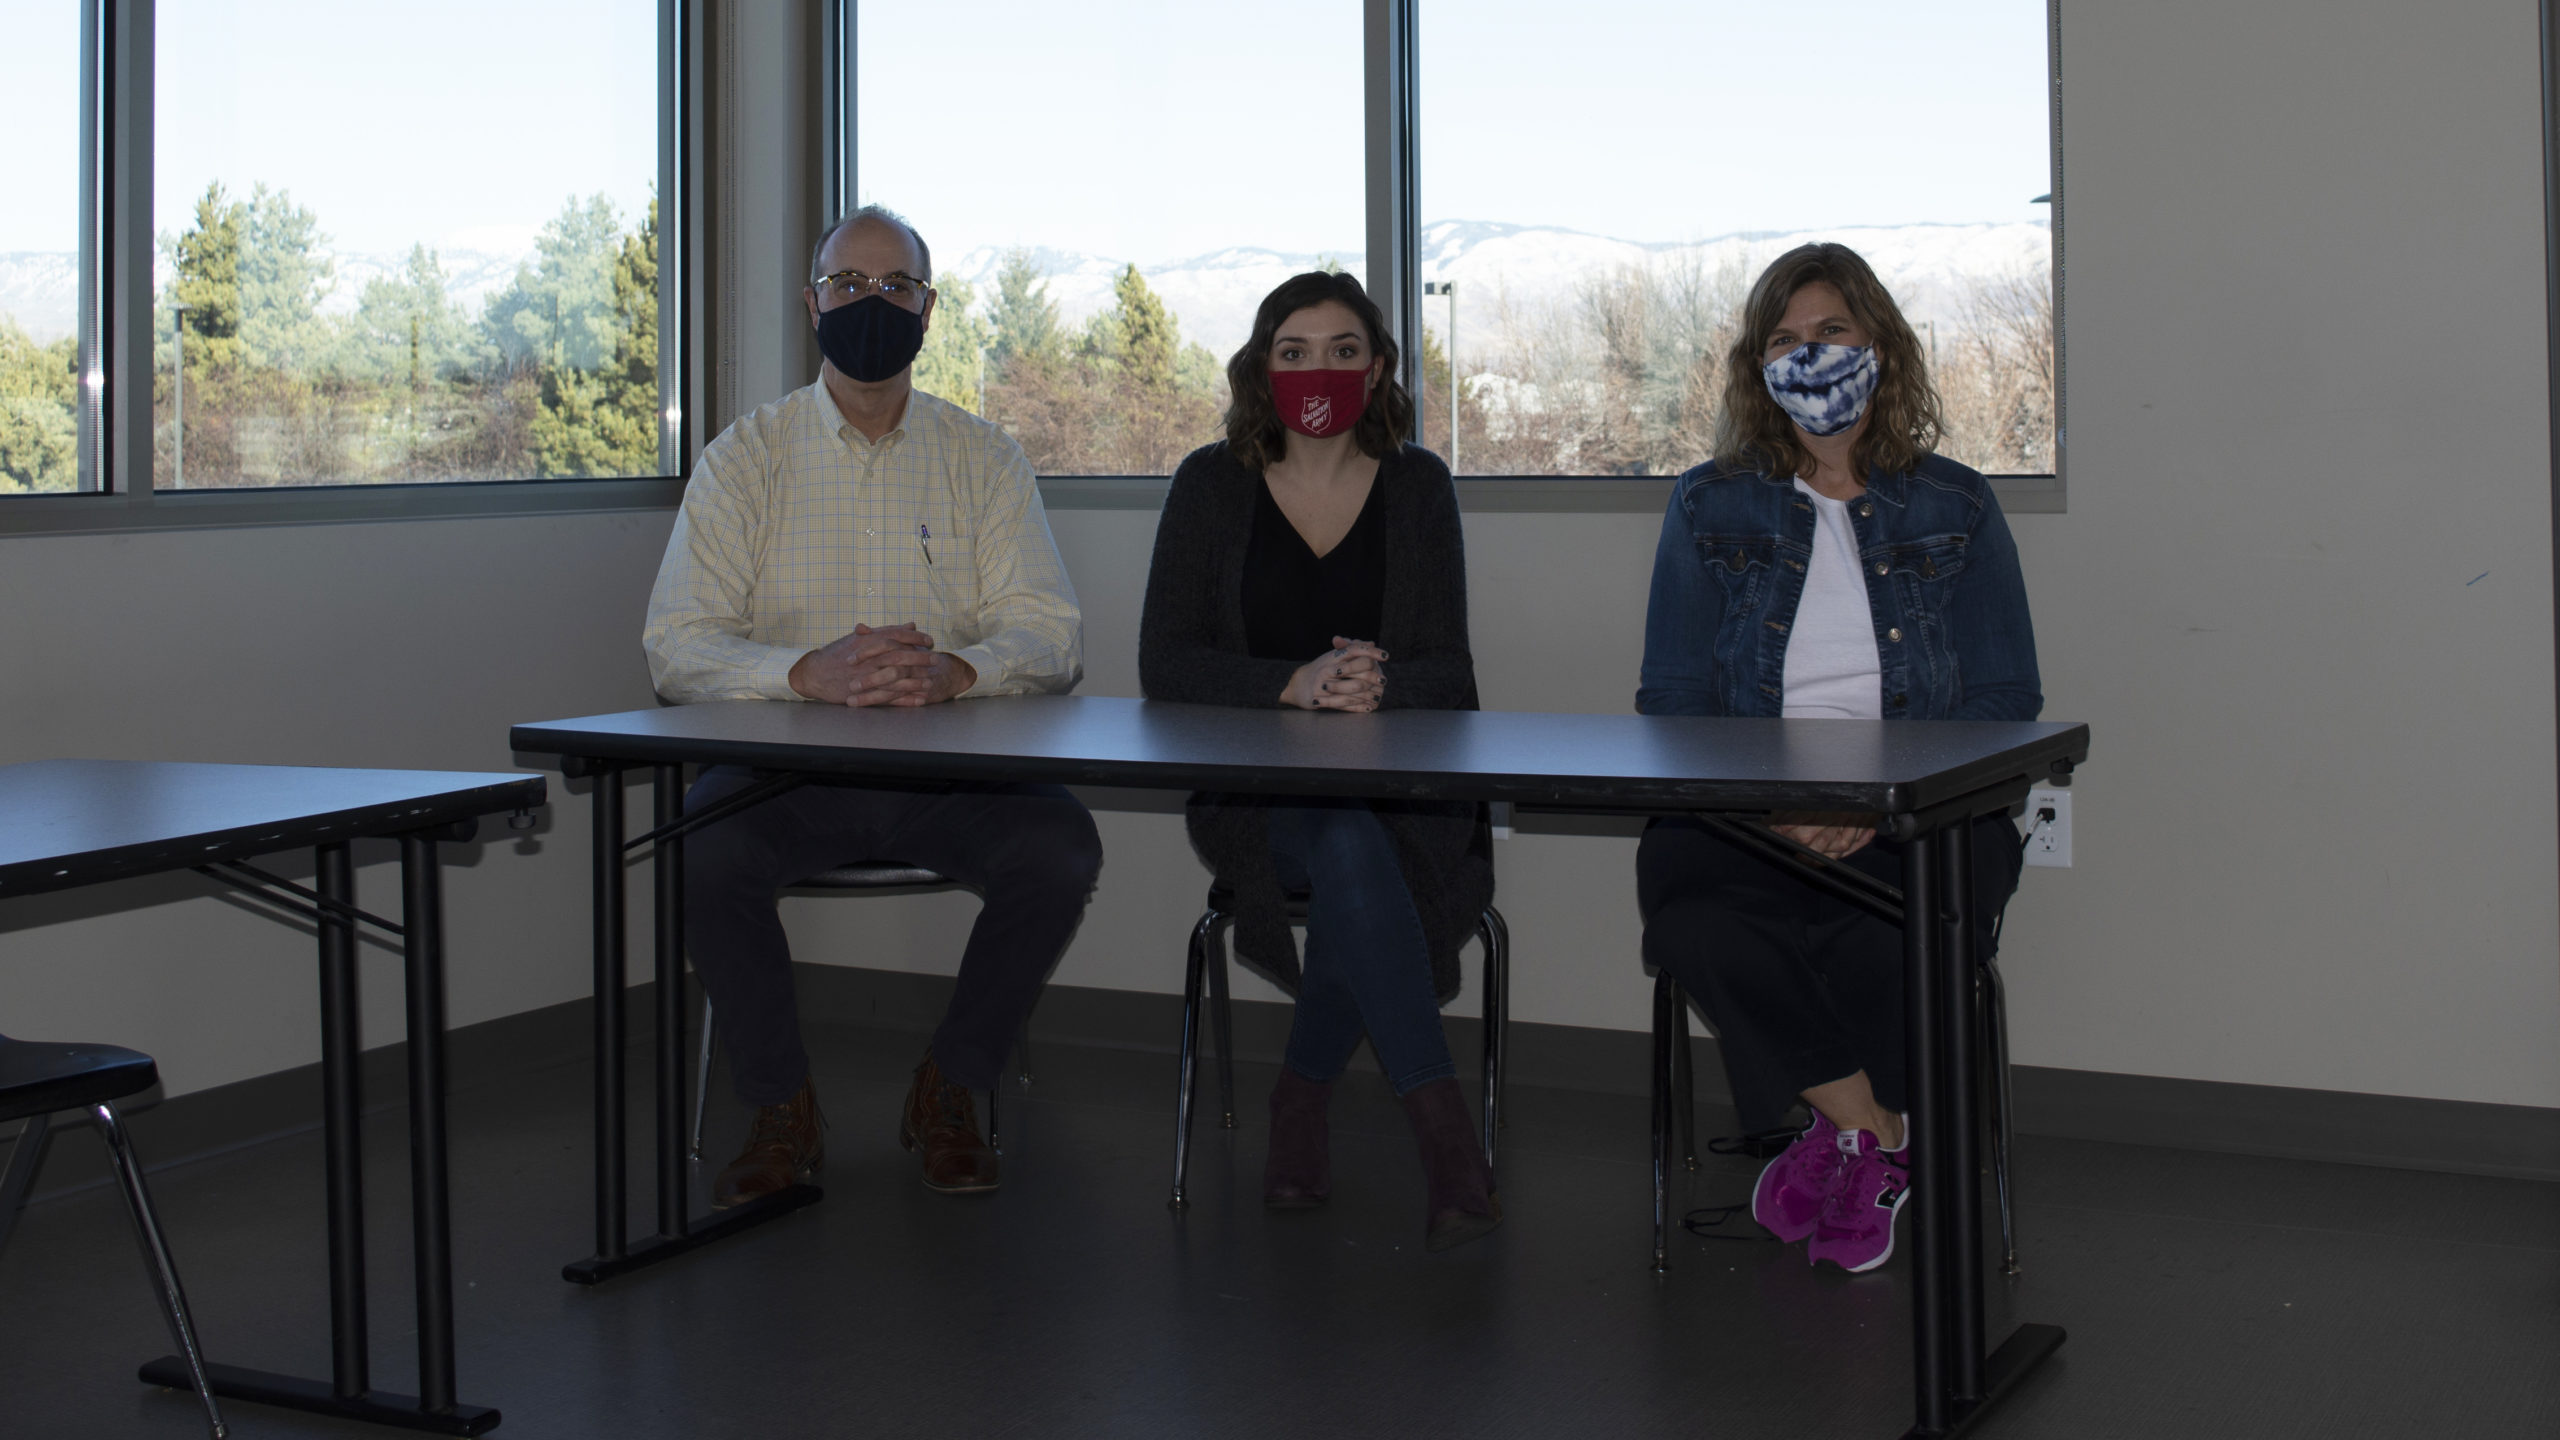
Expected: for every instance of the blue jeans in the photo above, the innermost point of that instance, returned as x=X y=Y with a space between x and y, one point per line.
x=1366 y=965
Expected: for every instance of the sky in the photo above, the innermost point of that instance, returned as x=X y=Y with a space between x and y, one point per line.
x=1158 y=130
x=1150 y=130
x=465 y=124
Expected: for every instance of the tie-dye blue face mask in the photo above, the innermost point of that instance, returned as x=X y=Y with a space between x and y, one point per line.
x=1825 y=388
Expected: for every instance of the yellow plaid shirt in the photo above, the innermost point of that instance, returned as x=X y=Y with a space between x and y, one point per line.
x=796 y=528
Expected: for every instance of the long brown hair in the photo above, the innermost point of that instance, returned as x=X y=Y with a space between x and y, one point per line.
x=1254 y=432
x=1904 y=420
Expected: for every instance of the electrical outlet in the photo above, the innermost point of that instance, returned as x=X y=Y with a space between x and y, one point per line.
x=2048 y=840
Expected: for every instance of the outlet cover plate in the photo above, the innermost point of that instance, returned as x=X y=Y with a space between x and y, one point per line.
x=2048 y=843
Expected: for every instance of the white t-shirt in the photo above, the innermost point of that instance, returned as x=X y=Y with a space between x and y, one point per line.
x=1832 y=667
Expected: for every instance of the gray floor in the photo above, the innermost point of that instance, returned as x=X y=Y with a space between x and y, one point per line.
x=2205 y=1296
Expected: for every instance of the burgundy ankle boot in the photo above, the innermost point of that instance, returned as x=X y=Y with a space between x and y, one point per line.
x=1299 y=1174
x=1462 y=1206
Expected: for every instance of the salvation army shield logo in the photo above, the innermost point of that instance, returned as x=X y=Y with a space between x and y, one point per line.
x=1315 y=415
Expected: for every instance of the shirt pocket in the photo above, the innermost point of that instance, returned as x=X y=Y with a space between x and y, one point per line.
x=1928 y=565
x=952 y=582
x=1740 y=564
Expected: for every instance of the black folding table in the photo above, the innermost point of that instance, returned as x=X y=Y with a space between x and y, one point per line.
x=1924 y=780
x=67 y=823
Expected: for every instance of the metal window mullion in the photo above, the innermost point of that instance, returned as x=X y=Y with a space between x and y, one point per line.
x=2053 y=217
x=837 y=115
x=92 y=379
x=1390 y=73
x=673 y=253
x=116 y=254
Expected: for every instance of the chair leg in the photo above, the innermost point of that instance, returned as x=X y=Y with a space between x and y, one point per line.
x=1496 y=938
x=1684 y=1077
x=701 y=1083
x=1188 y=1074
x=1995 y=1015
x=1222 y=1024
x=156 y=1258
x=24 y=1158
x=1665 y=996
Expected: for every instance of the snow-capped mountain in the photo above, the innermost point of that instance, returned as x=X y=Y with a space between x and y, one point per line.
x=1928 y=268
x=40 y=289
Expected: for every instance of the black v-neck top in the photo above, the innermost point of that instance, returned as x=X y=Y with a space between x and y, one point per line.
x=1296 y=601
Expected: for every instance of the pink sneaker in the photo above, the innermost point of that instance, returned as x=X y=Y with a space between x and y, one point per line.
x=1856 y=1228
x=1794 y=1187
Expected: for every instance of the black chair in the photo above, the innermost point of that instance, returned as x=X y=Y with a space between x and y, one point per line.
x=1675 y=1100
x=1209 y=937
x=37 y=1080
x=873 y=875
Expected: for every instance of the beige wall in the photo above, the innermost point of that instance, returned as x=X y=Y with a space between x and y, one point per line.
x=2315 y=840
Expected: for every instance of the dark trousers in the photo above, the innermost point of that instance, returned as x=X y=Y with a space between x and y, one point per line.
x=1802 y=989
x=1367 y=966
x=1029 y=850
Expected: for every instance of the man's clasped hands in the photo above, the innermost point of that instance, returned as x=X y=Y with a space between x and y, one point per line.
x=882 y=665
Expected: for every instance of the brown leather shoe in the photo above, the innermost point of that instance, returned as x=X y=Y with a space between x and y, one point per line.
x=786 y=1146
x=941 y=1124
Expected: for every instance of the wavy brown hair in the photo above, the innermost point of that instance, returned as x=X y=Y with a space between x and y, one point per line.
x=1254 y=432
x=1904 y=419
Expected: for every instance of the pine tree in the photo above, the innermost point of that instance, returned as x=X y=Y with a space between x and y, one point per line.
x=1147 y=338
x=1025 y=319
x=952 y=363
x=408 y=332
x=39 y=441
x=599 y=418
x=208 y=283
x=284 y=277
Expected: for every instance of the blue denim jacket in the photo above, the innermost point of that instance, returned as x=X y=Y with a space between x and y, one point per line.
x=1942 y=582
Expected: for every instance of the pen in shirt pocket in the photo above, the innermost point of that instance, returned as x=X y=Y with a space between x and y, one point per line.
x=924 y=542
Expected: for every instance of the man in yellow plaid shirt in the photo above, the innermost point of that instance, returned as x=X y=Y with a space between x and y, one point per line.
x=859 y=542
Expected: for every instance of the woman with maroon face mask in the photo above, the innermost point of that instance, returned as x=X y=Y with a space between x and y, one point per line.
x=1312 y=559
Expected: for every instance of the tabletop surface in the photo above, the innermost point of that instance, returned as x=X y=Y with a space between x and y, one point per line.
x=73 y=822
x=1597 y=761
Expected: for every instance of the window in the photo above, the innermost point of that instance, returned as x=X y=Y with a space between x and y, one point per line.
x=40 y=246
x=399 y=246
x=1583 y=256
x=1109 y=190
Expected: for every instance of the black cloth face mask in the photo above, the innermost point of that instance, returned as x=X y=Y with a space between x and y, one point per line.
x=870 y=339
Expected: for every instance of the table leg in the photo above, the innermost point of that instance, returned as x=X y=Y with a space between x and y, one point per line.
x=667 y=861
x=611 y=1226
x=1922 y=976
x=1957 y=1383
x=677 y=1233
x=1958 y=1089
x=348 y=1396
x=422 y=916
x=341 y=1102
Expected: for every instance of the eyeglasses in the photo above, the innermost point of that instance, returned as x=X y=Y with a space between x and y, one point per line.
x=898 y=285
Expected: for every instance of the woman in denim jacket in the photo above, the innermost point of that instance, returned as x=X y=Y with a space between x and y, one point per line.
x=1825 y=564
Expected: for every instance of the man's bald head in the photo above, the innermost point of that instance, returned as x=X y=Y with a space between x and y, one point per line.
x=880 y=215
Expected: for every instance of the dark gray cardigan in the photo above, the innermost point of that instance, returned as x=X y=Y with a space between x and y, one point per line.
x=1191 y=647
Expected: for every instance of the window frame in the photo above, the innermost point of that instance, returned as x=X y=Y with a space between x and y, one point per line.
x=116 y=299
x=1391 y=78
x=116 y=306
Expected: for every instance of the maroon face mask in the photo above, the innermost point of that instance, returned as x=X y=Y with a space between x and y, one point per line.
x=1320 y=402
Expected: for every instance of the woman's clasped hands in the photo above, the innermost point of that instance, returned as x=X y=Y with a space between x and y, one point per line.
x=1351 y=676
